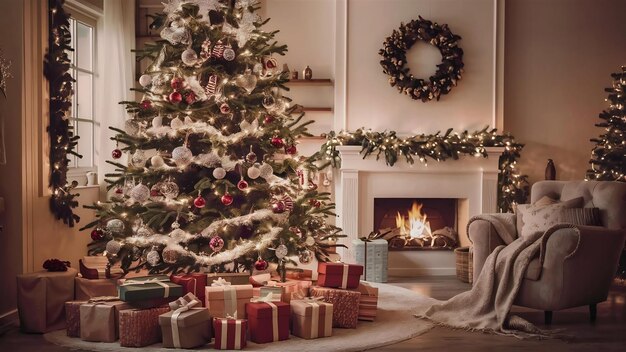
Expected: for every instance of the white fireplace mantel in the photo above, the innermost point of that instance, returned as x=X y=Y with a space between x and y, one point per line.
x=472 y=179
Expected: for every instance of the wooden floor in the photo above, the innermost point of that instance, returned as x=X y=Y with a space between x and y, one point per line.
x=607 y=334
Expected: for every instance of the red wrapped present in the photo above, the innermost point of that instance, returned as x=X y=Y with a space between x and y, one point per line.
x=230 y=334
x=226 y=300
x=72 y=318
x=99 y=319
x=140 y=327
x=194 y=283
x=311 y=318
x=187 y=325
x=339 y=275
x=368 y=302
x=345 y=305
x=260 y=279
x=97 y=267
x=299 y=274
x=269 y=321
x=233 y=278
x=85 y=289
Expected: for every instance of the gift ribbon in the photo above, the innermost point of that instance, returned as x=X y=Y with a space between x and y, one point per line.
x=230 y=296
x=185 y=307
x=268 y=300
x=314 y=302
x=166 y=287
x=344 y=279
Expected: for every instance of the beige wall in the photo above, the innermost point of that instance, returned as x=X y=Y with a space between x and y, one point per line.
x=559 y=57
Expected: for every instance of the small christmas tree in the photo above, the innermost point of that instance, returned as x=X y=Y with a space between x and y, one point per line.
x=213 y=181
x=608 y=157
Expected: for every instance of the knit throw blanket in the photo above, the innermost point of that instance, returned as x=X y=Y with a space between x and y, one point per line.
x=486 y=307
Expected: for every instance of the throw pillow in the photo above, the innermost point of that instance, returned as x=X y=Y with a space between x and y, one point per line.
x=540 y=217
x=580 y=216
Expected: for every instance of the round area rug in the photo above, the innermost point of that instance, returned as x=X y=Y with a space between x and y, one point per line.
x=394 y=323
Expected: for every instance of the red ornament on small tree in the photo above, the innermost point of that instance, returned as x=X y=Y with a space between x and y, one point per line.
x=175 y=97
x=145 y=104
x=227 y=199
x=190 y=98
x=97 y=234
x=291 y=150
x=199 y=202
x=176 y=83
x=277 y=142
x=260 y=264
x=116 y=153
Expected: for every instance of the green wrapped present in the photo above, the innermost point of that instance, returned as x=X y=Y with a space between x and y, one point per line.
x=148 y=287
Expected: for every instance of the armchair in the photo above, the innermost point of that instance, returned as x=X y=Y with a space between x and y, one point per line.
x=577 y=263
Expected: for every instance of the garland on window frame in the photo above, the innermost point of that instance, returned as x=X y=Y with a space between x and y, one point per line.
x=62 y=138
x=513 y=186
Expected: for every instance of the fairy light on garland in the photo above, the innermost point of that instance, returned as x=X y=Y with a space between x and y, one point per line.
x=513 y=186
x=62 y=139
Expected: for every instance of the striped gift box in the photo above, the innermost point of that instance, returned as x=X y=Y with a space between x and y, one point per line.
x=368 y=304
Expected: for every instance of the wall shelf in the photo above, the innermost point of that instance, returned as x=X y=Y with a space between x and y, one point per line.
x=313 y=109
x=311 y=82
x=313 y=138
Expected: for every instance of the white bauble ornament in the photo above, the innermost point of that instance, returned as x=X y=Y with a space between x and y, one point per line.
x=177 y=234
x=182 y=155
x=229 y=54
x=176 y=123
x=266 y=170
x=157 y=121
x=247 y=81
x=140 y=193
x=113 y=247
x=169 y=189
x=170 y=255
x=145 y=80
x=153 y=258
x=254 y=172
x=189 y=57
x=144 y=231
x=115 y=226
x=138 y=159
x=281 y=251
x=157 y=161
x=188 y=121
x=309 y=241
x=219 y=173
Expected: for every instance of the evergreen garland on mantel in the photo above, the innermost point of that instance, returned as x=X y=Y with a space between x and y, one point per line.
x=513 y=186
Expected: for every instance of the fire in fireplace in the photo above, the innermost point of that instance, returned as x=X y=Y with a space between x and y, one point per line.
x=408 y=223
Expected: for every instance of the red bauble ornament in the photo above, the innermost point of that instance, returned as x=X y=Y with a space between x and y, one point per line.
x=97 y=234
x=227 y=199
x=277 y=142
x=278 y=207
x=260 y=264
x=316 y=203
x=176 y=83
x=242 y=184
x=291 y=150
x=116 y=153
x=119 y=190
x=175 y=97
x=224 y=108
x=190 y=98
x=199 y=202
x=268 y=119
x=145 y=104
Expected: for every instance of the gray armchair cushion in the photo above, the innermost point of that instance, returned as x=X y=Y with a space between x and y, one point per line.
x=540 y=217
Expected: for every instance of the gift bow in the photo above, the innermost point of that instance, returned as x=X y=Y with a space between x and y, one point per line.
x=230 y=295
x=184 y=306
x=185 y=300
x=220 y=282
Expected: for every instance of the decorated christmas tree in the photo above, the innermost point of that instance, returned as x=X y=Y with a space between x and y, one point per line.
x=608 y=157
x=213 y=180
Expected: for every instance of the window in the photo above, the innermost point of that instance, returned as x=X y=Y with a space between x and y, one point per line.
x=83 y=70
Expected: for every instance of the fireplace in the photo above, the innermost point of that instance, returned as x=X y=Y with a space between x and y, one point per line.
x=417 y=223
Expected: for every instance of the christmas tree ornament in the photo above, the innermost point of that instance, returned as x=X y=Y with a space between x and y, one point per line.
x=113 y=247
x=211 y=87
x=175 y=225
x=242 y=184
x=291 y=150
x=128 y=186
x=309 y=241
x=277 y=142
x=229 y=53
x=119 y=190
x=178 y=235
x=305 y=257
x=254 y=172
x=145 y=80
x=97 y=234
x=281 y=251
x=247 y=80
x=177 y=83
x=169 y=189
x=116 y=153
x=157 y=121
x=278 y=207
x=138 y=159
x=316 y=203
x=189 y=57
x=140 y=193
x=257 y=69
x=153 y=257
x=155 y=192
x=145 y=104
x=205 y=50
x=199 y=202
x=219 y=173
x=175 y=97
x=216 y=243
x=182 y=155
x=266 y=170
x=268 y=101
x=268 y=119
x=157 y=161
x=251 y=156
x=115 y=226
x=218 y=50
x=131 y=127
x=176 y=123
x=170 y=255
x=227 y=199
x=190 y=97
x=260 y=264
x=144 y=231
x=270 y=64
x=224 y=108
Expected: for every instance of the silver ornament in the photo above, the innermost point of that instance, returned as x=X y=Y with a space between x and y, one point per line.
x=305 y=257
x=254 y=172
x=269 y=101
x=115 y=226
x=155 y=192
x=138 y=159
x=189 y=57
x=145 y=80
x=229 y=54
x=170 y=255
x=177 y=234
x=247 y=81
x=113 y=247
x=309 y=241
x=169 y=189
x=281 y=251
x=144 y=231
x=176 y=123
x=140 y=193
x=157 y=161
x=219 y=173
x=182 y=155
x=266 y=170
x=153 y=258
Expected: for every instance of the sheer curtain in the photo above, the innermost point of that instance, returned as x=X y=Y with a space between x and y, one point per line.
x=116 y=70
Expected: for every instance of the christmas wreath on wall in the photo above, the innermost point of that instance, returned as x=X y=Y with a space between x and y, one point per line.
x=394 y=59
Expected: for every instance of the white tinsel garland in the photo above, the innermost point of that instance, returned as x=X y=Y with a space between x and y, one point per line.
x=248 y=219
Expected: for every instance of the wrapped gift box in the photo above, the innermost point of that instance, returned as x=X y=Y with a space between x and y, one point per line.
x=259 y=280
x=345 y=305
x=230 y=334
x=339 y=275
x=194 y=283
x=368 y=304
x=148 y=287
x=94 y=267
x=99 y=319
x=268 y=321
x=311 y=318
x=276 y=293
x=227 y=300
x=299 y=274
x=41 y=298
x=86 y=288
x=233 y=278
x=72 y=318
x=140 y=327
x=289 y=289
x=372 y=255
x=185 y=328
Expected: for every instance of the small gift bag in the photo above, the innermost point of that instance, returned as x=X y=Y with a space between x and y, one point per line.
x=230 y=334
x=224 y=300
x=194 y=283
x=145 y=288
x=339 y=275
x=268 y=321
x=233 y=278
x=99 y=319
x=72 y=318
x=140 y=327
x=85 y=289
x=311 y=318
x=345 y=305
x=186 y=326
